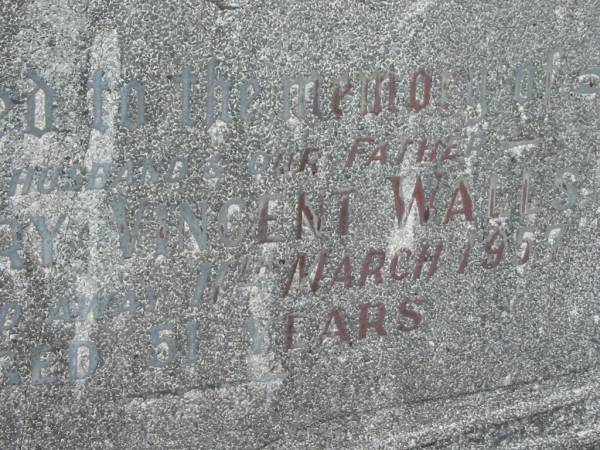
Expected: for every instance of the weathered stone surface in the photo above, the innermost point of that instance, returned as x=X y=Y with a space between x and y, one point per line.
x=149 y=292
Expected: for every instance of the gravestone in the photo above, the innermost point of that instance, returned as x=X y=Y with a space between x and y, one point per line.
x=345 y=224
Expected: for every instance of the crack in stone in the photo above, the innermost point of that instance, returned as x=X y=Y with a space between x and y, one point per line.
x=179 y=392
x=223 y=6
x=508 y=388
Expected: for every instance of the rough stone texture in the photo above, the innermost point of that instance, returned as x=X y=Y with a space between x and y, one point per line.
x=503 y=358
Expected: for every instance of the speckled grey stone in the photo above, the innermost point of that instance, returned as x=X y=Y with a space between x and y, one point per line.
x=499 y=357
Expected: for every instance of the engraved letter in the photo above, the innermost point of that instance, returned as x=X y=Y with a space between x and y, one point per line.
x=589 y=85
x=127 y=236
x=38 y=364
x=7 y=104
x=197 y=227
x=12 y=375
x=78 y=369
x=48 y=236
x=10 y=315
x=519 y=75
x=98 y=85
x=478 y=103
x=300 y=267
x=16 y=180
x=247 y=116
x=303 y=84
x=224 y=219
x=16 y=262
x=165 y=345
x=344 y=273
x=563 y=181
x=255 y=337
x=187 y=79
x=424 y=256
x=365 y=107
x=338 y=95
x=213 y=82
x=357 y=149
x=98 y=175
x=305 y=211
x=340 y=325
x=375 y=271
x=416 y=104
x=48 y=93
x=377 y=324
x=494 y=249
x=139 y=94
x=466 y=202
x=409 y=313
x=263 y=219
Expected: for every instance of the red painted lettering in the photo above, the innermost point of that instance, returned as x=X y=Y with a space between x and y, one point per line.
x=344 y=273
x=416 y=104
x=289 y=333
x=394 y=264
x=340 y=325
x=411 y=314
x=494 y=249
x=338 y=96
x=304 y=211
x=423 y=204
x=424 y=256
x=300 y=267
x=365 y=324
x=356 y=149
x=466 y=202
x=379 y=154
x=306 y=161
x=345 y=212
x=374 y=271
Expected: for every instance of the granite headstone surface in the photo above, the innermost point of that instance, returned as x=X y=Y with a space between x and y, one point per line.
x=274 y=224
